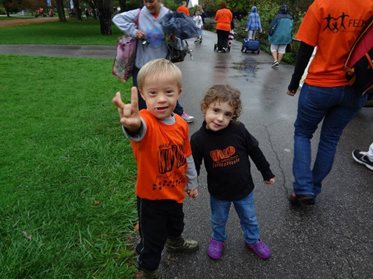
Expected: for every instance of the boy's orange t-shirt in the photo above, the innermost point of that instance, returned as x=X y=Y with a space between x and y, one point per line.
x=332 y=26
x=223 y=19
x=161 y=159
x=183 y=9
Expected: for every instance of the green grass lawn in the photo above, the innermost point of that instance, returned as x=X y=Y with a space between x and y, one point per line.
x=73 y=32
x=66 y=171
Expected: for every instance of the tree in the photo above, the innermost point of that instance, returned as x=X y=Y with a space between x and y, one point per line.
x=61 y=10
x=78 y=11
x=105 y=12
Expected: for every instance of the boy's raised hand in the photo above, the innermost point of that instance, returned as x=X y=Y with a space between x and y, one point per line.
x=128 y=113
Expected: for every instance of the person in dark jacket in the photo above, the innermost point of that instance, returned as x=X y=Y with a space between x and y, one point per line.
x=225 y=146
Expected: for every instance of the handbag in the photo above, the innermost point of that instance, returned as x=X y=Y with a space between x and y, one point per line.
x=125 y=56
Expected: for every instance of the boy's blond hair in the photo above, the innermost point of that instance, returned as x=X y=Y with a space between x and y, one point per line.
x=223 y=93
x=159 y=68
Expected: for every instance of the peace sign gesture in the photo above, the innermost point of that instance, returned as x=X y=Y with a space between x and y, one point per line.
x=128 y=113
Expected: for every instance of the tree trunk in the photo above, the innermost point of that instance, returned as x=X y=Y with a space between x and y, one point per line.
x=78 y=11
x=105 y=13
x=61 y=10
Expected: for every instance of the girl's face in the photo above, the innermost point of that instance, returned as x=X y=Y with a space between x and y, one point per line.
x=218 y=115
x=160 y=94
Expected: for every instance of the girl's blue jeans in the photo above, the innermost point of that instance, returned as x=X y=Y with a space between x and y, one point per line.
x=246 y=212
x=335 y=107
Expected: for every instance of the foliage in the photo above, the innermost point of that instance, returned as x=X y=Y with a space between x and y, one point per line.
x=67 y=174
x=70 y=33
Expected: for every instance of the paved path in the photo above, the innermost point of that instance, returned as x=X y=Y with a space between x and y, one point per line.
x=333 y=239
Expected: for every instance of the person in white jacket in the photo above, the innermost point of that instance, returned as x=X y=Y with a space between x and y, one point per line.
x=199 y=23
x=143 y=24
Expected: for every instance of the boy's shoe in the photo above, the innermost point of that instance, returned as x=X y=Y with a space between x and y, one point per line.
x=154 y=274
x=215 y=250
x=299 y=200
x=180 y=245
x=260 y=249
x=362 y=158
x=188 y=118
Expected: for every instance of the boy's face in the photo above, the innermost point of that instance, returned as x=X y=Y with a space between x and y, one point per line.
x=218 y=115
x=161 y=95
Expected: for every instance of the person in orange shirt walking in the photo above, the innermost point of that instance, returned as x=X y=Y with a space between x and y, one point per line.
x=326 y=95
x=183 y=8
x=165 y=165
x=223 y=18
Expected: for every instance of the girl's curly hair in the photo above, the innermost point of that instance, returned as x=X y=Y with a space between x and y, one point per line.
x=223 y=93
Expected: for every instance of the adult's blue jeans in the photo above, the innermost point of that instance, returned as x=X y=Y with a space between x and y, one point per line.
x=246 y=212
x=335 y=107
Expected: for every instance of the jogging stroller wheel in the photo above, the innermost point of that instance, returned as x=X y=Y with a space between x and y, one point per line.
x=215 y=47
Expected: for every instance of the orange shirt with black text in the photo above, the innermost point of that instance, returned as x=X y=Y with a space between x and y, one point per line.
x=332 y=26
x=161 y=159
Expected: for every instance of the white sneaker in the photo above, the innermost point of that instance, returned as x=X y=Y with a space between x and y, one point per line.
x=188 y=118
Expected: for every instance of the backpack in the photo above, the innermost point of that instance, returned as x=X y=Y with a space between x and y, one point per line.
x=359 y=64
x=177 y=50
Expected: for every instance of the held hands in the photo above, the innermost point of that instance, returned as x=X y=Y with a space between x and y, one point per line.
x=192 y=193
x=270 y=181
x=128 y=113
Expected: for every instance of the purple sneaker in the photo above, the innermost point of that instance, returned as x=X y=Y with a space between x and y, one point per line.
x=260 y=249
x=215 y=250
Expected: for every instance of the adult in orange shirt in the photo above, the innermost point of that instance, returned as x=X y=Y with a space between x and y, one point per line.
x=331 y=26
x=183 y=8
x=223 y=18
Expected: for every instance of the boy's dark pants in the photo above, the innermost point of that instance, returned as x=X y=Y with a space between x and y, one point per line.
x=158 y=220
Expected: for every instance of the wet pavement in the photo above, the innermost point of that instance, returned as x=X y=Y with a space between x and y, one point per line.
x=332 y=239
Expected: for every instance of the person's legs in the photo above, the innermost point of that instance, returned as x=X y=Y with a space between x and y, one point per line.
x=219 y=217
x=280 y=52
x=175 y=226
x=313 y=104
x=335 y=120
x=246 y=212
x=225 y=35
x=220 y=39
x=274 y=52
x=250 y=34
x=153 y=233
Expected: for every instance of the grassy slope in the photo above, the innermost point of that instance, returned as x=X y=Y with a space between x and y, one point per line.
x=67 y=173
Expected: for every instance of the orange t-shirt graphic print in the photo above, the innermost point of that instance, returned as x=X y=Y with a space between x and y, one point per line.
x=161 y=159
x=224 y=157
